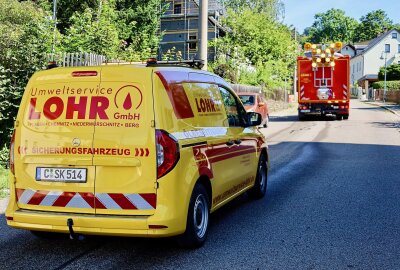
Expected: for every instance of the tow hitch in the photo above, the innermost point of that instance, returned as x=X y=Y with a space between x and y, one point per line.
x=72 y=234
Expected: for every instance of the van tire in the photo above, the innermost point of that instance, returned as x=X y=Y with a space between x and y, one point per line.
x=260 y=186
x=197 y=219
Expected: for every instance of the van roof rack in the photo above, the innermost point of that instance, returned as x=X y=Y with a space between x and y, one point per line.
x=195 y=63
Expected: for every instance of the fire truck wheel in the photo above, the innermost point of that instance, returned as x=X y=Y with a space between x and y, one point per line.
x=197 y=219
x=260 y=186
x=339 y=117
x=302 y=117
x=345 y=117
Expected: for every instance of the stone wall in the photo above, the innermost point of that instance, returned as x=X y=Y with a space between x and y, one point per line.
x=391 y=95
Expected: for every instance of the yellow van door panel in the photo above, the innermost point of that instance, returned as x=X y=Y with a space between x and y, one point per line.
x=125 y=184
x=54 y=141
x=247 y=155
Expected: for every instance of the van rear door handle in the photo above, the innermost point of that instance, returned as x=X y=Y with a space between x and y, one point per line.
x=229 y=143
x=238 y=141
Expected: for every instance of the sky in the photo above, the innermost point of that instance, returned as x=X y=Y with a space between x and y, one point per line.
x=300 y=13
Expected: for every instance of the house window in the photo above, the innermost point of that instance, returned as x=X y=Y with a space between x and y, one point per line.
x=177 y=8
x=387 y=47
x=192 y=44
x=394 y=35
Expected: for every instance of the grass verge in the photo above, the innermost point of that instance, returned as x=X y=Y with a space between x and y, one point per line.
x=3 y=182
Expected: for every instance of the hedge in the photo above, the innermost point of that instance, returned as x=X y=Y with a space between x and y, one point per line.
x=390 y=85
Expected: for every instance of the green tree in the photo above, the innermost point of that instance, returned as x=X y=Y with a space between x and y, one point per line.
x=392 y=72
x=372 y=24
x=138 y=23
x=93 y=31
x=272 y=8
x=258 y=40
x=67 y=8
x=25 y=37
x=333 y=25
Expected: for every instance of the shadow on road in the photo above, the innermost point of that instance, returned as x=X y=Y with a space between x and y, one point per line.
x=294 y=118
x=386 y=124
x=308 y=183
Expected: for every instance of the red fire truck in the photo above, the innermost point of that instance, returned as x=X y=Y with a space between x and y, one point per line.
x=323 y=81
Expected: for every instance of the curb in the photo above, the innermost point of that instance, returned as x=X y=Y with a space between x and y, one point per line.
x=3 y=204
x=384 y=107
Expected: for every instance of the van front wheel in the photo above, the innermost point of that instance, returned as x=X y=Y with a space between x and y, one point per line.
x=197 y=219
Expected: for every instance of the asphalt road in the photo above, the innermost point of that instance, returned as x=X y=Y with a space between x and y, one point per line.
x=332 y=203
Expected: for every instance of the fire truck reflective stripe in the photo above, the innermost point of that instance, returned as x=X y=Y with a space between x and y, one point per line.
x=138 y=201
x=50 y=198
x=78 y=202
x=144 y=201
x=345 y=91
x=107 y=201
x=123 y=201
x=302 y=91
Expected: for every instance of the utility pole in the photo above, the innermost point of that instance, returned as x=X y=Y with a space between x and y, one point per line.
x=295 y=69
x=384 y=87
x=203 y=33
x=53 y=49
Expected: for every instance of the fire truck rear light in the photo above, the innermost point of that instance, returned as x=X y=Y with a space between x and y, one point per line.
x=9 y=218
x=346 y=107
x=84 y=73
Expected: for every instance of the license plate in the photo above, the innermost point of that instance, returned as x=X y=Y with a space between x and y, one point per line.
x=73 y=175
x=304 y=110
x=336 y=107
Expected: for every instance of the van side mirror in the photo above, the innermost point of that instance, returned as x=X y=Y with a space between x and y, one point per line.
x=254 y=119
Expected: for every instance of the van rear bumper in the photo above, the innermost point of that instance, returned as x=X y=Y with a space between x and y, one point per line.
x=135 y=226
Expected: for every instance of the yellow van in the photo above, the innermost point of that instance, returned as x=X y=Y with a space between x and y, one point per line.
x=131 y=150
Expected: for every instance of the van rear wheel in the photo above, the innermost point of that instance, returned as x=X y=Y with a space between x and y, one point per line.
x=197 y=219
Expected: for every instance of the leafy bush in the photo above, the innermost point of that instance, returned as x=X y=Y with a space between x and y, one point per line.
x=390 y=85
x=25 y=36
x=3 y=182
x=392 y=72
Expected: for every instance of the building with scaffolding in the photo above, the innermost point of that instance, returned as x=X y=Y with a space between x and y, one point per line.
x=179 y=27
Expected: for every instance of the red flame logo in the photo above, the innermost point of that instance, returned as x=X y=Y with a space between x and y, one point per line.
x=133 y=97
x=128 y=102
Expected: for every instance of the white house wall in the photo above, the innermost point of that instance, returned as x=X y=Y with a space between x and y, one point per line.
x=356 y=68
x=374 y=55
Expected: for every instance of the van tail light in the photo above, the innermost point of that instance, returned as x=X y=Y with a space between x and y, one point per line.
x=167 y=148
x=11 y=161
